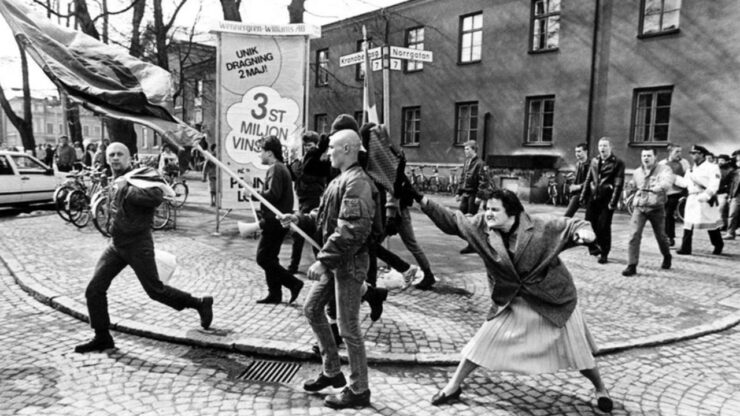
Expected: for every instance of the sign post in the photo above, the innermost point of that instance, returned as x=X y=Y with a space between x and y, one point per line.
x=386 y=58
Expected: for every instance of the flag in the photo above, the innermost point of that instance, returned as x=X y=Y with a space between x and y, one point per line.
x=369 y=106
x=104 y=78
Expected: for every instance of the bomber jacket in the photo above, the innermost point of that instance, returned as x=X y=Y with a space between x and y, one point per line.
x=278 y=190
x=604 y=180
x=344 y=221
x=472 y=177
x=651 y=187
x=132 y=211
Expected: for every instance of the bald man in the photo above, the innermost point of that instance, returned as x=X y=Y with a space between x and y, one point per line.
x=132 y=211
x=344 y=219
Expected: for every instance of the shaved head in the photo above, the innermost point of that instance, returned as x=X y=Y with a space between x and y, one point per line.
x=344 y=146
x=119 y=158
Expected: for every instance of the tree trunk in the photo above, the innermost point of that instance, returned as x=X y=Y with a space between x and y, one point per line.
x=160 y=36
x=24 y=125
x=87 y=25
x=231 y=10
x=295 y=10
x=138 y=16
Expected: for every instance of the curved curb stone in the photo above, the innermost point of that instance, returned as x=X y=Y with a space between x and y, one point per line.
x=282 y=349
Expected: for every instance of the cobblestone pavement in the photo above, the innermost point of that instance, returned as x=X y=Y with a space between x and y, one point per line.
x=40 y=375
x=55 y=260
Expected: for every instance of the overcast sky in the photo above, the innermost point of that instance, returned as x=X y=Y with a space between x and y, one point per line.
x=318 y=12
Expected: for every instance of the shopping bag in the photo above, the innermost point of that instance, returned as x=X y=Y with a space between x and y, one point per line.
x=166 y=264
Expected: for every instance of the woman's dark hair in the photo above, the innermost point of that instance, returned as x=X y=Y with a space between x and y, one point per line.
x=509 y=200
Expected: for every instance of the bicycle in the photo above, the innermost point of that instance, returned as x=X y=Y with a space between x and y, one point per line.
x=73 y=182
x=178 y=185
x=552 y=190
x=433 y=182
x=418 y=180
x=79 y=202
x=452 y=182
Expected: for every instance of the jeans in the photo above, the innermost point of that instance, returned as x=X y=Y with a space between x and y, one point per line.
x=733 y=218
x=268 y=249
x=670 y=214
x=468 y=204
x=392 y=259
x=640 y=215
x=348 y=291
x=573 y=206
x=600 y=216
x=140 y=256
x=406 y=232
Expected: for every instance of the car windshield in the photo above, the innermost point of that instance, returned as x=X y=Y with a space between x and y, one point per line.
x=27 y=164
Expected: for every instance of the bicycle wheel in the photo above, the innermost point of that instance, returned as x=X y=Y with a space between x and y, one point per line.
x=101 y=214
x=181 y=194
x=60 y=198
x=552 y=195
x=78 y=207
x=161 y=216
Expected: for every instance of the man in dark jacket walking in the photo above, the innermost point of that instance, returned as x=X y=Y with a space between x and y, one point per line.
x=132 y=245
x=278 y=192
x=601 y=193
x=472 y=181
x=577 y=186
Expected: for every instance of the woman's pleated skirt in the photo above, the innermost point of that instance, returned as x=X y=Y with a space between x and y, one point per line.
x=520 y=340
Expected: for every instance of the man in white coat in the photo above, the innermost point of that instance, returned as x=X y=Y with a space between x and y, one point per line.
x=702 y=208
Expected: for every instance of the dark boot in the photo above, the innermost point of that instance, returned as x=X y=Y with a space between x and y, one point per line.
x=715 y=236
x=631 y=270
x=205 y=310
x=686 y=242
x=427 y=282
x=375 y=296
x=347 y=398
x=666 y=262
x=101 y=342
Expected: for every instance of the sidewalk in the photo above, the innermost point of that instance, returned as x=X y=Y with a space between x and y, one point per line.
x=53 y=261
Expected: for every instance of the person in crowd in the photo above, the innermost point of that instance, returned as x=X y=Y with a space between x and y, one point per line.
x=651 y=181
x=89 y=157
x=702 y=208
x=679 y=166
x=472 y=181
x=582 y=164
x=344 y=220
x=726 y=169
x=733 y=196
x=600 y=195
x=169 y=163
x=535 y=324
x=49 y=156
x=136 y=194
x=310 y=175
x=278 y=192
x=65 y=155
x=99 y=161
x=210 y=172
x=79 y=155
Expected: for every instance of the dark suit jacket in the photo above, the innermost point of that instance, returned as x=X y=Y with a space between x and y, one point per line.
x=535 y=273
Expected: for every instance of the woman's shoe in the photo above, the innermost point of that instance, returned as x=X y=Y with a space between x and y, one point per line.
x=442 y=398
x=603 y=401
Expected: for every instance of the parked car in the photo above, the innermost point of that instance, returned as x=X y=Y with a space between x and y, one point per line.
x=25 y=180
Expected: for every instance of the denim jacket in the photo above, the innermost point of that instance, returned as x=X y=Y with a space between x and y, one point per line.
x=651 y=186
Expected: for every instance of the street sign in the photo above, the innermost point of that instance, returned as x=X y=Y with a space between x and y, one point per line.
x=395 y=64
x=358 y=57
x=411 y=54
x=377 y=65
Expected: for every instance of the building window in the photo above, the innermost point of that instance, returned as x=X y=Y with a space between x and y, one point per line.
x=144 y=139
x=411 y=126
x=85 y=130
x=360 y=69
x=540 y=112
x=651 y=115
x=322 y=67
x=659 y=16
x=471 y=37
x=545 y=25
x=198 y=88
x=155 y=139
x=414 y=40
x=49 y=128
x=466 y=122
x=321 y=123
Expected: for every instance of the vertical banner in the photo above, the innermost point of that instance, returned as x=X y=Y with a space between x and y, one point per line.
x=261 y=91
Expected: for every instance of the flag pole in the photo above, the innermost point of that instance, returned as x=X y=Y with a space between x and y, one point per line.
x=254 y=193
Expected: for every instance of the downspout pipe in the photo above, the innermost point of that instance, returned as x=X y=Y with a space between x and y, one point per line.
x=592 y=82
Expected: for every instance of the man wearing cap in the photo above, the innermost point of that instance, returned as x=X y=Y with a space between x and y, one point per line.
x=733 y=196
x=344 y=219
x=600 y=194
x=278 y=192
x=679 y=166
x=702 y=209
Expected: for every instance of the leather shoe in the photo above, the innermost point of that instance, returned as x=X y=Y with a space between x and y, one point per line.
x=96 y=344
x=631 y=270
x=270 y=300
x=718 y=249
x=666 y=262
x=323 y=381
x=604 y=402
x=603 y=260
x=375 y=296
x=347 y=398
x=426 y=283
x=205 y=310
x=295 y=290
x=442 y=398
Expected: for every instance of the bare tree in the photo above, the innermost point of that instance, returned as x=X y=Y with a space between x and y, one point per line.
x=231 y=10
x=24 y=124
x=296 y=8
